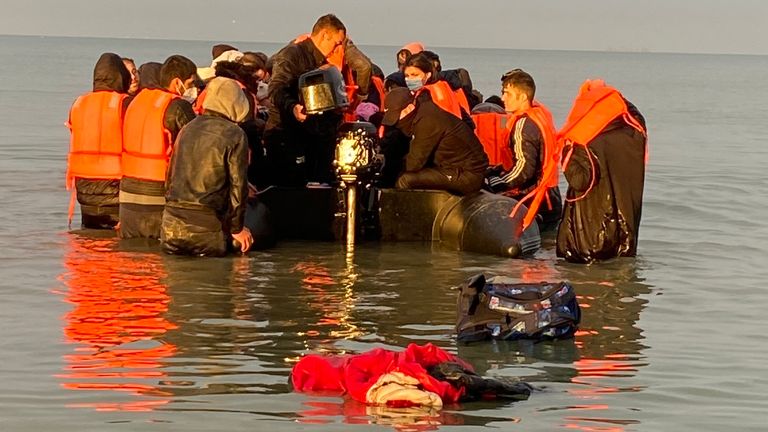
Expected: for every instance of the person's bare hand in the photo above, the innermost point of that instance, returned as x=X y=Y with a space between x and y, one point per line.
x=298 y=112
x=245 y=239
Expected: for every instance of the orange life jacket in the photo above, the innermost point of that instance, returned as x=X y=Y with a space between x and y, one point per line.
x=462 y=99
x=378 y=85
x=550 y=158
x=147 y=143
x=596 y=105
x=491 y=130
x=337 y=58
x=443 y=96
x=96 y=145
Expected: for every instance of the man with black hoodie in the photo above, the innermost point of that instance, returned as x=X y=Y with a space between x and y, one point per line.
x=94 y=162
x=207 y=186
x=444 y=152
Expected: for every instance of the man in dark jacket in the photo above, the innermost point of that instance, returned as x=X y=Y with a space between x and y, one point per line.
x=98 y=195
x=299 y=148
x=601 y=218
x=207 y=184
x=444 y=152
x=151 y=126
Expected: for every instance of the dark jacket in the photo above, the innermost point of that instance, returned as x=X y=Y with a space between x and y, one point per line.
x=525 y=143
x=605 y=222
x=208 y=170
x=100 y=197
x=297 y=59
x=442 y=141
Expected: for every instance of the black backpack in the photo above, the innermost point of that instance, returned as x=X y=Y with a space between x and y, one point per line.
x=535 y=311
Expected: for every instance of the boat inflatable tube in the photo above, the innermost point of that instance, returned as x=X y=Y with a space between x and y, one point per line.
x=478 y=222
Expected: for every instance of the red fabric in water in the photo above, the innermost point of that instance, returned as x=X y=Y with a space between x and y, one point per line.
x=355 y=374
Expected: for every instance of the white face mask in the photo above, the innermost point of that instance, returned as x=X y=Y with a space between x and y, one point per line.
x=190 y=94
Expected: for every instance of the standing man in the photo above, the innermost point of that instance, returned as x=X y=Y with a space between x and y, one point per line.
x=93 y=164
x=207 y=186
x=299 y=148
x=530 y=151
x=604 y=163
x=152 y=123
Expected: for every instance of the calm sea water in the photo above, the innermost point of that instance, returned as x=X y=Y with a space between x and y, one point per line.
x=96 y=335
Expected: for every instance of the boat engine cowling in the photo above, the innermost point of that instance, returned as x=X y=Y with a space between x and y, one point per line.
x=356 y=147
x=322 y=90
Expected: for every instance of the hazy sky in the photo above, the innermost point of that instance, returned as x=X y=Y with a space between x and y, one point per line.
x=698 y=26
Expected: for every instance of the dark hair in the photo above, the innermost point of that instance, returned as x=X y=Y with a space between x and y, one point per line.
x=253 y=60
x=434 y=58
x=149 y=75
x=128 y=59
x=176 y=66
x=423 y=63
x=328 y=22
x=238 y=72
x=520 y=80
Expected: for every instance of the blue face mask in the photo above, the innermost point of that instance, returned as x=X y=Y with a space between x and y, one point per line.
x=413 y=83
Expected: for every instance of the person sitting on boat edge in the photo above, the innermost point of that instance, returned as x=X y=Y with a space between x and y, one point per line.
x=152 y=122
x=458 y=79
x=604 y=155
x=527 y=151
x=444 y=153
x=94 y=160
x=422 y=79
x=207 y=185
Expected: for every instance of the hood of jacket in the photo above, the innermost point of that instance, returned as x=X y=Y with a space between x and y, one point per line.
x=111 y=74
x=225 y=97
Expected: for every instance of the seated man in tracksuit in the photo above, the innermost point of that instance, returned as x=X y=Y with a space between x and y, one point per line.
x=444 y=152
x=207 y=184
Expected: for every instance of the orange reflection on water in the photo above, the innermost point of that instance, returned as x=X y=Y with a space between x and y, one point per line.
x=118 y=313
x=334 y=304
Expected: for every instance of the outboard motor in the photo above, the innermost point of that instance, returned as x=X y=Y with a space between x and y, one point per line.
x=323 y=90
x=357 y=168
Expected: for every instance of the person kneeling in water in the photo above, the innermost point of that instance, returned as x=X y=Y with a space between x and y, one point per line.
x=207 y=187
x=444 y=152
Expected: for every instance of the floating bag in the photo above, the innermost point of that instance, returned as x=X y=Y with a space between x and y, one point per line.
x=535 y=311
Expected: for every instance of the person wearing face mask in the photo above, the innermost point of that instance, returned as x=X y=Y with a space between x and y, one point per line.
x=422 y=79
x=206 y=188
x=444 y=152
x=152 y=122
x=299 y=148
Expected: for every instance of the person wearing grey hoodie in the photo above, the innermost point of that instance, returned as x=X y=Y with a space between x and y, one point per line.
x=206 y=186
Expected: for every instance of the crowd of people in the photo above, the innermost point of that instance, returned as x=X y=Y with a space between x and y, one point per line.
x=174 y=151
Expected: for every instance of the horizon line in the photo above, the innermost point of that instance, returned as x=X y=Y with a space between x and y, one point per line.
x=617 y=51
